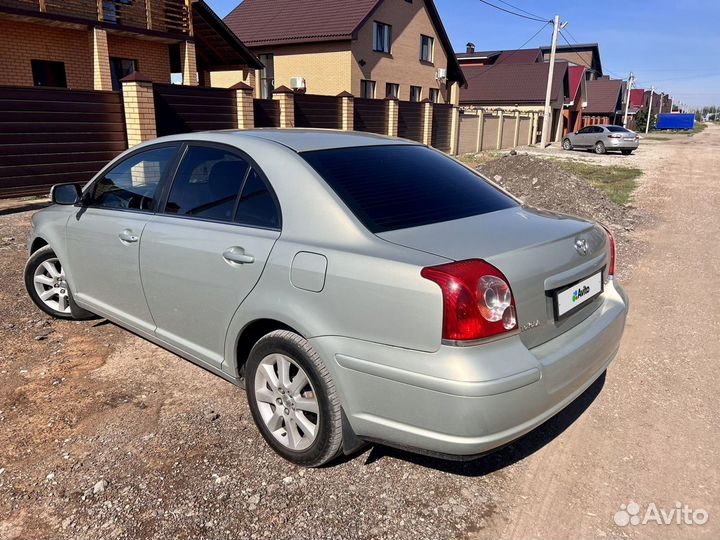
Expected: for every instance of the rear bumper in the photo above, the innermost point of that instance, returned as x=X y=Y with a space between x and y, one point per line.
x=469 y=400
x=619 y=144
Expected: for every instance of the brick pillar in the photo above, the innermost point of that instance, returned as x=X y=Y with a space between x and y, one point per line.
x=287 y=106
x=427 y=113
x=516 y=134
x=454 y=130
x=101 y=60
x=139 y=106
x=392 y=116
x=189 y=63
x=501 y=121
x=245 y=112
x=347 y=112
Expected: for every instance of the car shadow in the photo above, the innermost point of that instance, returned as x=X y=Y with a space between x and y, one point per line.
x=507 y=455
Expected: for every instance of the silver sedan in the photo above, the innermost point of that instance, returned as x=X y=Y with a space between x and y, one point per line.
x=361 y=288
x=603 y=138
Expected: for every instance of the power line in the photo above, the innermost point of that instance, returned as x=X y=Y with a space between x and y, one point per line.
x=538 y=19
x=523 y=11
x=510 y=55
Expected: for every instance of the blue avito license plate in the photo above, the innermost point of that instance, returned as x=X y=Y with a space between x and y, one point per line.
x=576 y=295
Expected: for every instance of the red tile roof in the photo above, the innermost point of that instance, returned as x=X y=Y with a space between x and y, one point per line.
x=575 y=76
x=519 y=56
x=603 y=96
x=512 y=83
x=280 y=22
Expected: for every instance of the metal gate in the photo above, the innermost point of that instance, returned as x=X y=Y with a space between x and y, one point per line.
x=410 y=120
x=314 y=111
x=266 y=112
x=370 y=115
x=441 y=122
x=183 y=109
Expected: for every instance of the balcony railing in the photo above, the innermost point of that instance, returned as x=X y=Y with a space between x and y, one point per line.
x=171 y=16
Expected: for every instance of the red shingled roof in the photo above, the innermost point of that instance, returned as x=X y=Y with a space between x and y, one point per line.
x=512 y=83
x=575 y=76
x=603 y=96
x=637 y=97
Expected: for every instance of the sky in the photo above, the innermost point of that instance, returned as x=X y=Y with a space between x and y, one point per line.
x=671 y=44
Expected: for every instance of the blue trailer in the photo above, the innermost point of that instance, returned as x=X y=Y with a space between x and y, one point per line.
x=675 y=121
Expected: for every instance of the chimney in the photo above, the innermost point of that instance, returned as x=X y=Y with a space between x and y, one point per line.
x=470 y=48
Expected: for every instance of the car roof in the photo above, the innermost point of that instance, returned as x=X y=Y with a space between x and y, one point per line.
x=307 y=140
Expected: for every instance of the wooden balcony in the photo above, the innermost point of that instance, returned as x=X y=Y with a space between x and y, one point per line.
x=166 y=16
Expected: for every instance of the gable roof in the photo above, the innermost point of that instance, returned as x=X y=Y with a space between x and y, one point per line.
x=570 y=50
x=513 y=83
x=637 y=98
x=576 y=75
x=282 y=22
x=603 y=96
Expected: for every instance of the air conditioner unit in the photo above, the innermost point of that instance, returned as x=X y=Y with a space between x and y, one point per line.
x=297 y=83
x=441 y=74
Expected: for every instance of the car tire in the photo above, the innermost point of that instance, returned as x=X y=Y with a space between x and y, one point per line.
x=48 y=288
x=567 y=145
x=626 y=152
x=282 y=405
x=599 y=148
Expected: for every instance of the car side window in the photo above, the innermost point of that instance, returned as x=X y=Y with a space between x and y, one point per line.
x=207 y=184
x=257 y=206
x=132 y=184
x=584 y=130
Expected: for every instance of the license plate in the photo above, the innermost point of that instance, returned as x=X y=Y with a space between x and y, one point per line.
x=629 y=139
x=572 y=298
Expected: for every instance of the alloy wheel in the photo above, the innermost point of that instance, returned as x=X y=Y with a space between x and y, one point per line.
x=51 y=286
x=287 y=401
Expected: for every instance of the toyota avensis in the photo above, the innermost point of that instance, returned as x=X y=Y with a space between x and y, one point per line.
x=361 y=288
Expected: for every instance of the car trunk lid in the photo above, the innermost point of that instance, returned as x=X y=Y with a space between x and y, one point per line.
x=535 y=249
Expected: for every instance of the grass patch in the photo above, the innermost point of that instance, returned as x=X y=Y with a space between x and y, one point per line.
x=616 y=181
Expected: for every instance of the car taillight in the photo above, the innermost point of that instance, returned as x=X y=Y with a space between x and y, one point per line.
x=477 y=299
x=615 y=136
x=611 y=239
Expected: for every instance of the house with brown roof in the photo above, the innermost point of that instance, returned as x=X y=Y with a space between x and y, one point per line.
x=370 y=48
x=517 y=87
x=605 y=101
x=91 y=44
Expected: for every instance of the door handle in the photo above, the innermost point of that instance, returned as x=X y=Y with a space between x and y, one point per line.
x=128 y=236
x=237 y=255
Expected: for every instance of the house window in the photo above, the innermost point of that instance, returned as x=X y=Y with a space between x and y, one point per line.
x=46 y=73
x=119 y=68
x=367 y=89
x=392 y=90
x=382 y=37
x=267 y=76
x=434 y=95
x=427 y=45
x=416 y=93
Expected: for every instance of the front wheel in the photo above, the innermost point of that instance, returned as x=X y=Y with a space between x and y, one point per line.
x=46 y=283
x=293 y=399
x=600 y=148
x=567 y=145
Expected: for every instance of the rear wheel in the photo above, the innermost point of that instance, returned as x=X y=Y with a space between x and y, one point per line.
x=293 y=399
x=599 y=148
x=567 y=145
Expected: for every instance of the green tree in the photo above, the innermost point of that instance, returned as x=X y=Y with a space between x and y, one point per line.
x=641 y=120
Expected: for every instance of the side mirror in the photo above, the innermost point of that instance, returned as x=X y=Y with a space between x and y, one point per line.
x=65 y=193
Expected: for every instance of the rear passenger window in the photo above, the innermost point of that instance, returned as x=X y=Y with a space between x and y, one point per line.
x=257 y=206
x=207 y=184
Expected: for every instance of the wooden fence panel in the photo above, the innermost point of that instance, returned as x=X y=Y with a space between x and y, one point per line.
x=267 y=112
x=410 y=120
x=467 y=134
x=370 y=115
x=49 y=136
x=441 y=124
x=312 y=111
x=184 y=109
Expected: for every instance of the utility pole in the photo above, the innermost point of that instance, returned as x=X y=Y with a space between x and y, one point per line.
x=631 y=81
x=547 y=120
x=649 y=114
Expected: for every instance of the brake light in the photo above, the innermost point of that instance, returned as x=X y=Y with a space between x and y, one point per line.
x=477 y=299
x=615 y=136
x=611 y=239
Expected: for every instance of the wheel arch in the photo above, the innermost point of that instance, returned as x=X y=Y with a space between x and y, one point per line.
x=38 y=243
x=249 y=336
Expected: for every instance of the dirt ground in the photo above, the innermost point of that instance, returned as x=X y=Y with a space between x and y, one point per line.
x=104 y=435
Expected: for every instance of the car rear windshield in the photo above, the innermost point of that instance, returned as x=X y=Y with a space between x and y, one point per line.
x=399 y=186
x=617 y=129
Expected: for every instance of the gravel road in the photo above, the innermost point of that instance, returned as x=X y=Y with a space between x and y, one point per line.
x=104 y=435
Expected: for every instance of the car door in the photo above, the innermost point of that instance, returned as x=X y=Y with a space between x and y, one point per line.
x=202 y=255
x=582 y=139
x=103 y=237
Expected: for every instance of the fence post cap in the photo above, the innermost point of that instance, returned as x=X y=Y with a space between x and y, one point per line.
x=137 y=76
x=282 y=90
x=241 y=86
x=346 y=94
